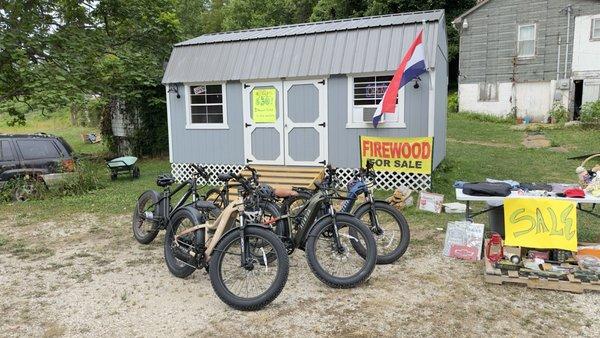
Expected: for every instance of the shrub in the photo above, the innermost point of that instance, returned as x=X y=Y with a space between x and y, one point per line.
x=84 y=179
x=590 y=114
x=559 y=113
x=453 y=103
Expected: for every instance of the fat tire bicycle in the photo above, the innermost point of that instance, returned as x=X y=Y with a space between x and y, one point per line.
x=247 y=263
x=329 y=238
x=387 y=223
x=153 y=211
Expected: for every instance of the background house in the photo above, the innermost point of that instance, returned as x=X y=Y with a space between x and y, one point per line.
x=327 y=78
x=525 y=56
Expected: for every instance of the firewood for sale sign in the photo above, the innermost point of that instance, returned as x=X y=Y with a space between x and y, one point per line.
x=406 y=155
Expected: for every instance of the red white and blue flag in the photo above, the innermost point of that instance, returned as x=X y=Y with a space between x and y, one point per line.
x=412 y=65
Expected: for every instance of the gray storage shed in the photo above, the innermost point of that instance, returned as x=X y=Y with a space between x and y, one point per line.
x=317 y=85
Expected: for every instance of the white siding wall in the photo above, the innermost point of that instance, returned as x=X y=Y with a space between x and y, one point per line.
x=586 y=52
x=468 y=94
x=586 y=58
x=533 y=98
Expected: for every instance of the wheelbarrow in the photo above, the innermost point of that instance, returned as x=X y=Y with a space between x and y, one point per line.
x=125 y=164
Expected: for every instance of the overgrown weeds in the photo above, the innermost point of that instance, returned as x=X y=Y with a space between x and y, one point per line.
x=482 y=117
x=590 y=114
x=27 y=187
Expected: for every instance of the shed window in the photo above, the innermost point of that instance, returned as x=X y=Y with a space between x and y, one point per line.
x=488 y=92
x=206 y=106
x=526 y=40
x=365 y=93
x=5 y=152
x=596 y=28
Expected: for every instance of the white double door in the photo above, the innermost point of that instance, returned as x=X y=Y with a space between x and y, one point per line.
x=297 y=133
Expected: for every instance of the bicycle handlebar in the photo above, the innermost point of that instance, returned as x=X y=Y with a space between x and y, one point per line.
x=200 y=171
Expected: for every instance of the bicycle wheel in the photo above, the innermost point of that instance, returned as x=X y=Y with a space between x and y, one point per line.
x=145 y=230
x=340 y=267
x=214 y=196
x=180 y=263
x=258 y=283
x=394 y=235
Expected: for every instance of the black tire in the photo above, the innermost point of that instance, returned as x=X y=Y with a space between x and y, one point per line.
x=177 y=267
x=214 y=196
x=276 y=286
x=113 y=176
x=143 y=204
x=26 y=189
x=397 y=225
x=367 y=264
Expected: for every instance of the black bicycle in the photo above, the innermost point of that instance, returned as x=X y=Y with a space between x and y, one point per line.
x=154 y=211
x=387 y=223
x=330 y=240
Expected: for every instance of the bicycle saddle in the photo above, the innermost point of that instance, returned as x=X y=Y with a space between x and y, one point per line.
x=224 y=177
x=283 y=193
x=165 y=180
x=205 y=205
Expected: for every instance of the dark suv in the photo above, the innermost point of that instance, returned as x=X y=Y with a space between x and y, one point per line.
x=33 y=155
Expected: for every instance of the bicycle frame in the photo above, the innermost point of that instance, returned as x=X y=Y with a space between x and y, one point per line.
x=163 y=205
x=222 y=225
x=319 y=200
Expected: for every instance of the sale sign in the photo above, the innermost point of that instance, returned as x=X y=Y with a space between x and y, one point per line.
x=407 y=155
x=264 y=108
x=540 y=223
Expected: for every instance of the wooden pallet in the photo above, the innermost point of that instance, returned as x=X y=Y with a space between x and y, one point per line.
x=495 y=276
x=284 y=177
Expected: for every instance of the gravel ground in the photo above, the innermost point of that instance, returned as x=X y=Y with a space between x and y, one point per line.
x=88 y=276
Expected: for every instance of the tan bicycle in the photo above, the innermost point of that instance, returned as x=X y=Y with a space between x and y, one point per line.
x=247 y=263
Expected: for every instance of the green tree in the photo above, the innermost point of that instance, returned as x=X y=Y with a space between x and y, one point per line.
x=244 y=14
x=338 y=9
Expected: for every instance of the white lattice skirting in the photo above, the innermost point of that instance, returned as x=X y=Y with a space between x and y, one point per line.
x=386 y=180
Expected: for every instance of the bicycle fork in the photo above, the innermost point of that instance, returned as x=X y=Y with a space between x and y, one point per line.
x=375 y=228
x=338 y=244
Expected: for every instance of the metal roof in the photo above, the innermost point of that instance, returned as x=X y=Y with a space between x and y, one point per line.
x=360 y=45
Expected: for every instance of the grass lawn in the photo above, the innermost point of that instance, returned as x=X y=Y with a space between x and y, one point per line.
x=475 y=150
x=58 y=124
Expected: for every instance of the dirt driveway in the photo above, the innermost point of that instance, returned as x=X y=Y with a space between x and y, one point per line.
x=87 y=276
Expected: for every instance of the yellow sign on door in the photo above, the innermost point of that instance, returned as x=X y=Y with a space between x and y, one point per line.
x=540 y=223
x=264 y=105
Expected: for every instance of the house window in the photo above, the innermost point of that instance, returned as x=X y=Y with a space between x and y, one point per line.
x=526 y=40
x=206 y=106
x=488 y=92
x=365 y=93
x=596 y=29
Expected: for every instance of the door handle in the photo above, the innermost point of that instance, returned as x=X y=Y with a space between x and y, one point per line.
x=322 y=124
x=247 y=125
